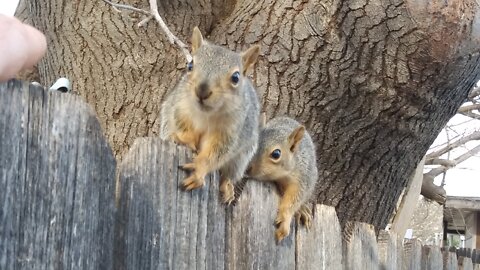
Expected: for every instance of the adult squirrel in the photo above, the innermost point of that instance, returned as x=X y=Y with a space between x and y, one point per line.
x=214 y=110
x=286 y=156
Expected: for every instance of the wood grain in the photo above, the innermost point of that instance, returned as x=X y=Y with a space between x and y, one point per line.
x=57 y=178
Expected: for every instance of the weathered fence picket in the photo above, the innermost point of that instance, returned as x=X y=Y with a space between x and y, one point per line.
x=464 y=263
x=57 y=209
x=413 y=254
x=449 y=260
x=317 y=249
x=431 y=258
x=159 y=225
x=390 y=251
x=56 y=179
x=360 y=246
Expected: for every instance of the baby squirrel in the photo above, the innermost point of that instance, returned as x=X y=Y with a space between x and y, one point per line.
x=214 y=110
x=286 y=156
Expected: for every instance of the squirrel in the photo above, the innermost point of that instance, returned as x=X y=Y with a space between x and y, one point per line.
x=214 y=110
x=286 y=156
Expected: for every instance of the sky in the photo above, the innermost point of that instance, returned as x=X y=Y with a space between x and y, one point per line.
x=8 y=7
x=463 y=180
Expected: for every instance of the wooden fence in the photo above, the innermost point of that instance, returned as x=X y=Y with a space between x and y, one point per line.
x=59 y=208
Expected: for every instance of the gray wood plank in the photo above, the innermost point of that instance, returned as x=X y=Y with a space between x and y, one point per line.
x=57 y=177
x=251 y=243
x=431 y=258
x=390 y=251
x=464 y=263
x=449 y=260
x=321 y=247
x=413 y=254
x=160 y=226
x=360 y=246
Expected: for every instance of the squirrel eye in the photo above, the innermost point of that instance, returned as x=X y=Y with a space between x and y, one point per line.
x=276 y=154
x=190 y=65
x=235 y=77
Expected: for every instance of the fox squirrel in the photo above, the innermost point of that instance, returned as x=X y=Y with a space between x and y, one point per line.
x=214 y=110
x=286 y=156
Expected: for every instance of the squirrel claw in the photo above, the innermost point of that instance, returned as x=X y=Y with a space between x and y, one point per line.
x=281 y=233
x=282 y=222
x=304 y=216
x=192 y=182
x=228 y=198
x=227 y=191
x=187 y=167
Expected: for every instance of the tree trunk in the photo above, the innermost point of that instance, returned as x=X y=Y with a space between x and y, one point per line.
x=374 y=81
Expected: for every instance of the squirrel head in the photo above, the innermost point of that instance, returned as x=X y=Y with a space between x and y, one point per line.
x=216 y=75
x=275 y=157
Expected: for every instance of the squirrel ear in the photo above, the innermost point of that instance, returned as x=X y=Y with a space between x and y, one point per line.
x=249 y=57
x=263 y=120
x=197 y=39
x=295 y=138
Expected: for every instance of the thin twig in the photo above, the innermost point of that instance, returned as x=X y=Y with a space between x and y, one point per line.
x=145 y=21
x=127 y=7
x=154 y=14
x=171 y=37
x=471 y=115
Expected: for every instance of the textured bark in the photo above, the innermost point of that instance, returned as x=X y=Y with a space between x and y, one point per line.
x=374 y=81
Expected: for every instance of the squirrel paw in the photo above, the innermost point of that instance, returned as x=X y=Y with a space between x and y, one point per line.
x=192 y=182
x=227 y=192
x=282 y=231
x=187 y=167
x=304 y=216
x=283 y=226
x=176 y=139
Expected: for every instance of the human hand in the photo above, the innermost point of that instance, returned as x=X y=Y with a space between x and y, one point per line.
x=21 y=46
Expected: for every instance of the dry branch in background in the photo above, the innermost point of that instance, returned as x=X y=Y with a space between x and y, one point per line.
x=429 y=189
x=438 y=193
x=153 y=13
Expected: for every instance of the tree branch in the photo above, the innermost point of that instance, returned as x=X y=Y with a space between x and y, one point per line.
x=127 y=7
x=154 y=14
x=472 y=137
x=475 y=92
x=469 y=108
x=443 y=162
x=432 y=191
x=460 y=159
x=471 y=115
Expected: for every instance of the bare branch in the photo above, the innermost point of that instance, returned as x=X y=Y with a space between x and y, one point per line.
x=474 y=136
x=127 y=7
x=471 y=115
x=475 y=92
x=469 y=108
x=460 y=159
x=439 y=161
x=145 y=21
x=171 y=37
x=154 y=14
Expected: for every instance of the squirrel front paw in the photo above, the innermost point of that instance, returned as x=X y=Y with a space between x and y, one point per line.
x=227 y=191
x=282 y=222
x=282 y=231
x=193 y=182
x=304 y=216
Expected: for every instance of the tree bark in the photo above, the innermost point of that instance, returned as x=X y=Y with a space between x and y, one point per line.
x=374 y=81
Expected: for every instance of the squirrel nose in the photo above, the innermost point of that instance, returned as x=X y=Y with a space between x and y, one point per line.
x=202 y=91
